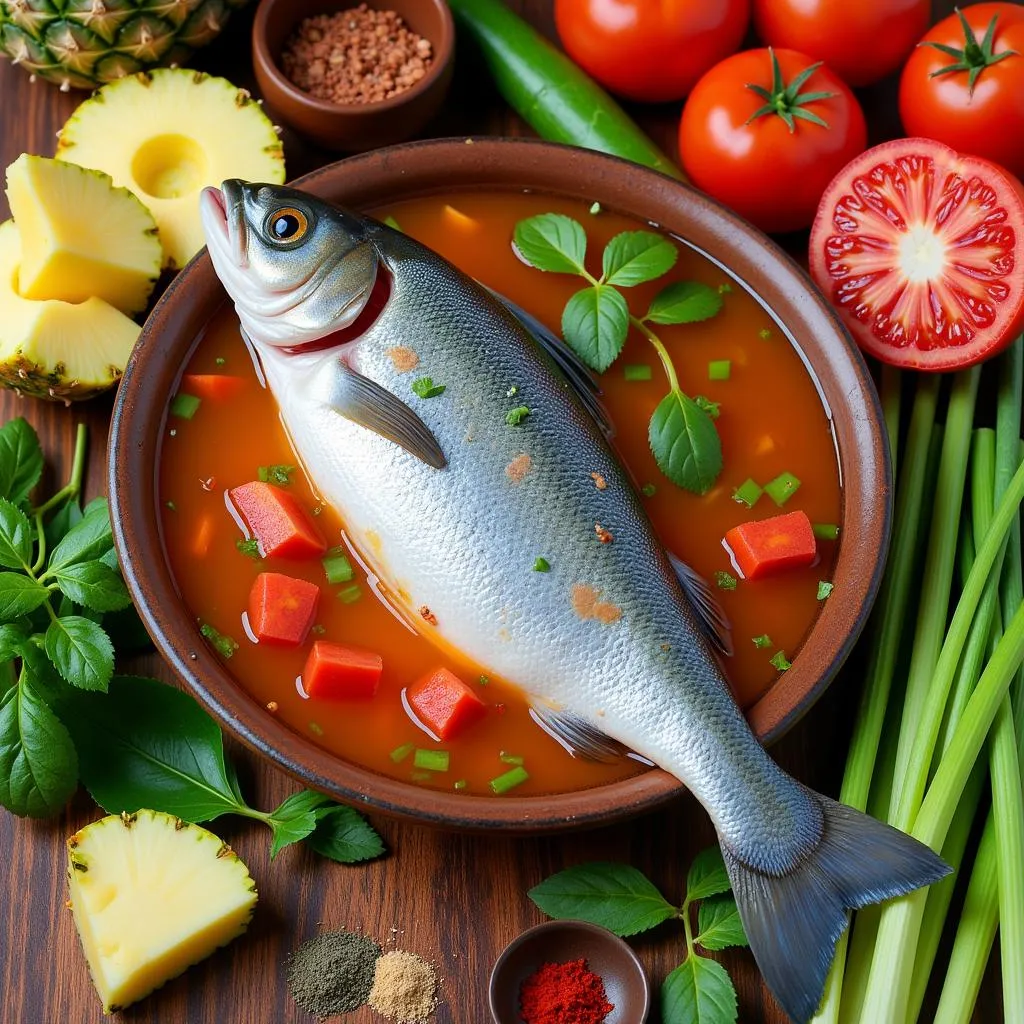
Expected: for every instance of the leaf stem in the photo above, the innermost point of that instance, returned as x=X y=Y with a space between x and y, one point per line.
x=74 y=485
x=41 y=536
x=659 y=347
x=687 y=926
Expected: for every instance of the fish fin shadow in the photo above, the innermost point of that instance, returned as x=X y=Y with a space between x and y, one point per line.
x=794 y=920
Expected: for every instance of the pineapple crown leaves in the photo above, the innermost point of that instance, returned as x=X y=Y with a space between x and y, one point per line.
x=973 y=57
x=64 y=716
x=787 y=101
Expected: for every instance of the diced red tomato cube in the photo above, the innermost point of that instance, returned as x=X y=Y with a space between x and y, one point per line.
x=282 y=608
x=768 y=546
x=336 y=672
x=281 y=525
x=212 y=386
x=444 y=703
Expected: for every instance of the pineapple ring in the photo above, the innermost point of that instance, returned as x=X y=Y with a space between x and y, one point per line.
x=165 y=135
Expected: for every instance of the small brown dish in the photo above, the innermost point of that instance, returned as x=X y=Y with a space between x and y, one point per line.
x=371 y=180
x=352 y=127
x=625 y=983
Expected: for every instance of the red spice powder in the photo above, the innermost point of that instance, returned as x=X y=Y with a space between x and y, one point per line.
x=568 y=993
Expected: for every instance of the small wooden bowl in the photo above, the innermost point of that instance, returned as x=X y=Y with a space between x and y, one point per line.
x=352 y=127
x=625 y=983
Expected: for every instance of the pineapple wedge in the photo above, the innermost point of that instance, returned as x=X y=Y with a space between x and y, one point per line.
x=57 y=350
x=81 y=236
x=165 y=135
x=151 y=896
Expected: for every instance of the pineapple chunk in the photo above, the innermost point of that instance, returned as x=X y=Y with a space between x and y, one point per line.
x=81 y=236
x=151 y=896
x=167 y=134
x=54 y=349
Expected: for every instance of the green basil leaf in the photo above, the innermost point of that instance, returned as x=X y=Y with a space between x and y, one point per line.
x=552 y=241
x=294 y=819
x=615 y=896
x=85 y=541
x=595 y=323
x=16 y=537
x=145 y=744
x=81 y=652
x=93 y=584
x=344 y=835
x=45 y=679
x=21 y=460
x=698 y=991
x=719 y=924
x=19 y=595
x=68 y=515
x=38 y=765
x=637 y=256
x=685 y=443
x=684 y=302
x=12 y=637
x=707 y=875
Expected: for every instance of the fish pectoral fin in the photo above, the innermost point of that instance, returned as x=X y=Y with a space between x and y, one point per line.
x=712 y=619
x=365 y=402
x=575 y=371
x=576 y=734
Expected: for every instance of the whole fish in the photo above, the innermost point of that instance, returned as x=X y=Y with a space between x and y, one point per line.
x=453 y=497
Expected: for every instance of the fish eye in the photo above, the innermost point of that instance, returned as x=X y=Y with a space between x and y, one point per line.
x=287 y=224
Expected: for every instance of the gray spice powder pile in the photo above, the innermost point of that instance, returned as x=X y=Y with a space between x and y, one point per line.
x=333 y=973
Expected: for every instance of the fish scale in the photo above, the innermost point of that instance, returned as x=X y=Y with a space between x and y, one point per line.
x=461 y=541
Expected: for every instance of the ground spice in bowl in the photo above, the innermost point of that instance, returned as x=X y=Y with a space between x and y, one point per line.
x=568 y=993
x=404 y=988
x=356 y=56
x=333 y=972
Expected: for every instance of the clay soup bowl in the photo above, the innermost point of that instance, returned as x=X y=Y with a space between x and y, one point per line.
x=416 y=169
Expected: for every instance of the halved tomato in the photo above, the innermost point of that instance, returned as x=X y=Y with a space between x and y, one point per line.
x=921 y=250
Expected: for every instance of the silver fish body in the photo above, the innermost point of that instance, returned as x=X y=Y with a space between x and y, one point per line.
x=608 y=633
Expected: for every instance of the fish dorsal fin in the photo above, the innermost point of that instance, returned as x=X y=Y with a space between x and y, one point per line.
x=576 y=733
x=365 y=402
x=575 y=371
x=712 y=619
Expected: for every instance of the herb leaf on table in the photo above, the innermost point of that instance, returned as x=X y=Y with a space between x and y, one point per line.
x=624 y=900
x=80 y=651
x=597 y=320
x=21 y=460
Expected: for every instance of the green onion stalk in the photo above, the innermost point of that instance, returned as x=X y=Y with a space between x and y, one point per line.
x=886 y=999
x=887 y=628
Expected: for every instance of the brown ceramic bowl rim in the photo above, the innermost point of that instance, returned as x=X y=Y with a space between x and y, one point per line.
x=444 y=48
x=628 y=954
x=443 y=165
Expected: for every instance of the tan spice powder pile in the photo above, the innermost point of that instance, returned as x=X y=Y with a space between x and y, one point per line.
x=404 y=988
x=356 y=56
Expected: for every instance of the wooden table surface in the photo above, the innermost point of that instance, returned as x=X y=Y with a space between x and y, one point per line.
x=454 y=899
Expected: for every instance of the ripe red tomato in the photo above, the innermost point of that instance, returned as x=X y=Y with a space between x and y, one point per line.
x=975 y=105
x=770 y=163
x=650 y=50
x=920 y=249
x=860 y=40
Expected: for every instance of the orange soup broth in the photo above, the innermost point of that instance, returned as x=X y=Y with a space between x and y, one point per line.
x=771 y=420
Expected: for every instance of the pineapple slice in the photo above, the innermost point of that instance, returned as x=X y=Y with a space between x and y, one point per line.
x=151 y=896
x=81 y=236
x=53 y=349
x=165 y=135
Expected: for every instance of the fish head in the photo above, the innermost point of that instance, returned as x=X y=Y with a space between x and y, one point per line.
x=297 y=268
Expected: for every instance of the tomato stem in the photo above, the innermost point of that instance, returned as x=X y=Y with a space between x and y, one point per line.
x=787 y=101
x=975 y=56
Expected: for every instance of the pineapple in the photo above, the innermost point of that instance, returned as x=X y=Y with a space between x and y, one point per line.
x=81 y=236
x=151 y=896
x=167 y=134
x=80 y=44
x=53 y=349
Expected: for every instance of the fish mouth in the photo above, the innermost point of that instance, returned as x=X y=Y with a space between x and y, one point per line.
x=223 y=213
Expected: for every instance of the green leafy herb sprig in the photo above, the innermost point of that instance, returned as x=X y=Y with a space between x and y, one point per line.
x=64 y=716
x=623 y=900
x=597 y=320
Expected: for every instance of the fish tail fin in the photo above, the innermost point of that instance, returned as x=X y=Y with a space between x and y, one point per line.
x=794 y=920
